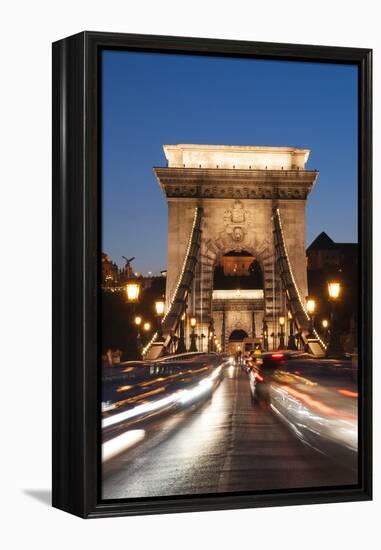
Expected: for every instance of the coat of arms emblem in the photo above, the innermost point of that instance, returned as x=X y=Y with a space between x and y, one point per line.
x=236 y=221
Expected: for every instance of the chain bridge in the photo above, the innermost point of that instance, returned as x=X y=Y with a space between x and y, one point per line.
x=234 y=211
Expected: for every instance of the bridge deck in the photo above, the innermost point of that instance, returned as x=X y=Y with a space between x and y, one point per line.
x=224 y=445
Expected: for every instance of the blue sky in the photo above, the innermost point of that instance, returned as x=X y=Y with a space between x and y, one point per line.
x=153 y=99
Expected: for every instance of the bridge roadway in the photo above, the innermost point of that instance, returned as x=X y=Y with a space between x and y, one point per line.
x=222 y=445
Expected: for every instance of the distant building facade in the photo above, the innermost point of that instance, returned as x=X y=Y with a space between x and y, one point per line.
x=327 y=260
x=110 y=272
x=324 y=253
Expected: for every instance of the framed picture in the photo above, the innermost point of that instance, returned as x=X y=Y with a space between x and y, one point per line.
x=212 y=274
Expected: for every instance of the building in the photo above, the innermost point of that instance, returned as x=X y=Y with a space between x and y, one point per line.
x=327 y=260
x=110 y=272
x=324 y=253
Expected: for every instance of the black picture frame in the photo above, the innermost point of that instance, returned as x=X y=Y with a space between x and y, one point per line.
x=76 y=238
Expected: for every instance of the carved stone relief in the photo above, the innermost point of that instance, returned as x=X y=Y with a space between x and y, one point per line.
x=237 y=222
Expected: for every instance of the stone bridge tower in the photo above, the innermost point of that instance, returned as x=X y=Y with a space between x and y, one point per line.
x=237 y=188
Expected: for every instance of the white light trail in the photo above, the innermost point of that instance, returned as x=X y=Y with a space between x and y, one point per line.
x=121 y=443
x=183 y=396
x=139 y=409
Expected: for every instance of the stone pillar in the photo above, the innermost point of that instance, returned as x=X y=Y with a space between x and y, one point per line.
x=180 y=219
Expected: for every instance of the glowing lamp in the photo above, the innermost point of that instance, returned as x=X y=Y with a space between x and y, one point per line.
x=281 y=321
x=147 y=326
x=193 y=322
x=311 y=304
x=159 y=306
x=138 y=320
x=334 y=289
x=133 y=291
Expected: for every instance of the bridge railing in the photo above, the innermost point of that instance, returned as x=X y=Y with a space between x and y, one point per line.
x=294 y=298
x=175 y=310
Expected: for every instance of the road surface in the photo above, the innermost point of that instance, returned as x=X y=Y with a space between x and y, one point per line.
x=223 y=445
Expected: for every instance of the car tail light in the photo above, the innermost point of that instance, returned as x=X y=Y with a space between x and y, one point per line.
x=277 y=355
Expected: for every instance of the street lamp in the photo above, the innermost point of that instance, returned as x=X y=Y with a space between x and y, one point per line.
x=146 y=328
x=181 y=348
x=281 y=334
x=132 y=294
x=159 y=306
x=334 y=345
x=239 y=354
x=133 y=290
x=311 y=305
x=202 y=338
x=334 y=290
x=291 y=338
x=325 y=324
x=265 y=331
x=138 y=322
x=193 y=323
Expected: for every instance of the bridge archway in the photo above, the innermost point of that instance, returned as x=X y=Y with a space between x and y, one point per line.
x=237 y=296
x=237 y=269
x=236 y=339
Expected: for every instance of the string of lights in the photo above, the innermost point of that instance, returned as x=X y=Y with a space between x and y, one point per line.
x=179 y=280
x=196 y=219
x=301 y=303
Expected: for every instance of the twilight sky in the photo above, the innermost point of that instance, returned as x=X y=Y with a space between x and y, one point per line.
x=153 y=99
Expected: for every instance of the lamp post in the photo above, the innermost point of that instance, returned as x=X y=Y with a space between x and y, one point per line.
x=325 y=324
x=138 y=322
x=159 y=306
x=210 y=335
x=215 y=341
x=133 y=290
x=146 y=328
x=265 y=331
x=239 y=355
x=334 y=347
x=202 y=338
x=311 y=305
x=132 y=294
x=181 y=348
x=253 y=327
x=281 y=333
x=291 y=338
x=193 y=323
